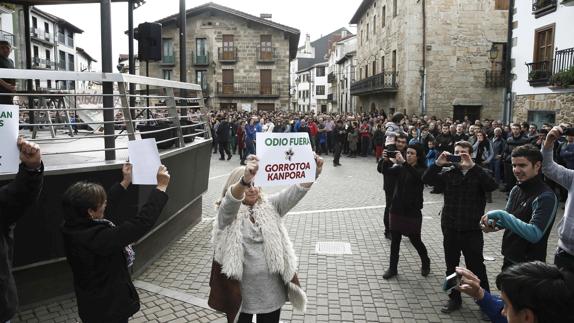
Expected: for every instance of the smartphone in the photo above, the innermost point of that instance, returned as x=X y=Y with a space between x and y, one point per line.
x=568 y=132
x=392 y=153
x=453 y=158
x=451 y=282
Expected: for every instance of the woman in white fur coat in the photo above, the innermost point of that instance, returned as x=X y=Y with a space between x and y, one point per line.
x=254 y=266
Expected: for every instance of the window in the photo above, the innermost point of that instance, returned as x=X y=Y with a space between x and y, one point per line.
x=265 y=47
x=382 y=64
x=228 y=80
x=71 y=62
x=395 y=9
x=320 y=71
x=320 y=90
x=540 y=117
x=374 y=67
x=367 y=33
x=47 y=27
x=62 y=60
x=167 y=51
x=49 y=84
x=201 y=79
x=36 y=51
x=34 y=22
x=544 y=44
x=374 y=24
x=228 y=47
x=265 y=85
x=501 y=5
x=360 y=72
x=362 y=36
x=48 y=58
x=167 y=74
x=383 y=16
x=201 y=47
x=394 y=61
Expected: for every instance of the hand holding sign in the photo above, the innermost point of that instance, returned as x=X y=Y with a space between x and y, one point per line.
x=29 y=153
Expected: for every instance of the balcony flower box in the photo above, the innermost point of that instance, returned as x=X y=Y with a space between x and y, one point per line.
x=563 y=79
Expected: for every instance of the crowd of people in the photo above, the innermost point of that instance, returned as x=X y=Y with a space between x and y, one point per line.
x=254 y=268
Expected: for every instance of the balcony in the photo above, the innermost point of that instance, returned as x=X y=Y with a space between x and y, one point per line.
x=540 y=73
x=200 y=60
x=543 y=7
x=41 y=63
x=6 y=36
x=266 y=54
x=42 y=36
x=494 y=78
x=70 y=42
x=248 y=90
x=168 y=60
x=386 y=82
x=227 y=54
x=62 y=65
x=61 y=38
x=331 y=78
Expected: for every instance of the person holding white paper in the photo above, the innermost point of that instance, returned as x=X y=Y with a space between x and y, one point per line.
x=15 y=198
x=254 y=267
x=99 y=251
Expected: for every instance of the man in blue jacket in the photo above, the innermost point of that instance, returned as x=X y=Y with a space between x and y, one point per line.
x=15 y=198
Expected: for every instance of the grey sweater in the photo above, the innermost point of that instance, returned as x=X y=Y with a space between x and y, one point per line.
x=564 y=177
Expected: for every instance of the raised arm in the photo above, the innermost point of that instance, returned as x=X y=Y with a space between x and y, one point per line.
x=550 y=168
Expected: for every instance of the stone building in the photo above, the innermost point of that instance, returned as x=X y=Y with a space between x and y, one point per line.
x=442 y=58
x=241 y=61
x=309 y=81
x=543 y=56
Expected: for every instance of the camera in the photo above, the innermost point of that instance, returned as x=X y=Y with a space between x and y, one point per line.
x=451 y=282
x=391 y=153
x=453 y=158
x=568 y=131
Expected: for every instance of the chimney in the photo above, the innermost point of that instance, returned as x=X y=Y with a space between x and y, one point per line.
x=266 y=16
x=308 y=43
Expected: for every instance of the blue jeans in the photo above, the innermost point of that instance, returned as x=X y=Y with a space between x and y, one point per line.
x=249 y=147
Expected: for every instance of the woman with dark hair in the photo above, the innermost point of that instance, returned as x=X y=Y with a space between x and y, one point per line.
x=482 y=154
x=407 y=201
x=99 y=251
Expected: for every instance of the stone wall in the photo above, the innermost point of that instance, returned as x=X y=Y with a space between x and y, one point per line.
x=213 y=26
x=561 y=103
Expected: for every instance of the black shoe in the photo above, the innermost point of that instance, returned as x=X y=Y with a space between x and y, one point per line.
x=389 y=274
x=338 y=164
x=221 y=158
x=229 y=157
x=451 y=306
x=425 y=271
x=242 y=163
x=387 y=235
x=484 y=317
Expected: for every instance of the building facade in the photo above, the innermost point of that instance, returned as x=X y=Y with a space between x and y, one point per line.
x=241 y=61
x=341 y=74
x=443 y=59
x=7 y=26
x=543 y=61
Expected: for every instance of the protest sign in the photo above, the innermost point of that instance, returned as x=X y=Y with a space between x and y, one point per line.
x=284 y=159
x=9 y=154
x=144 y=157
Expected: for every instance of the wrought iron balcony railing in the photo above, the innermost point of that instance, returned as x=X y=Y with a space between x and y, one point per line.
x=168 y=60
x=200 y=59
x=539 y=73
x=494 y=78
x=42 y=35
x=6 y=36
x=331 y=78
x=248 y=89
x=227 y=54
x=379 y=83
x=38 y=62
x=543 y=7
x=266 y=54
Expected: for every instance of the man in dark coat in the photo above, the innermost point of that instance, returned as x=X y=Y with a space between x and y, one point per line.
x=516 y=139
x=15 y=198
x=6 y=85
x=223 y=136
x=99 y=251
x=340 y=135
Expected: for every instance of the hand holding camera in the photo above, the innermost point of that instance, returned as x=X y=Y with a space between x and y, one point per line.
x=469 y=283
x=554 y=134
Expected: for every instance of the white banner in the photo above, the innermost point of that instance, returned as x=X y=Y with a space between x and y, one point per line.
x=145 y=161
x=284 y=159
x=9 y=154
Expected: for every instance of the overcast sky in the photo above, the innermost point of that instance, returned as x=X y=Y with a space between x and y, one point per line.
x=315 y=17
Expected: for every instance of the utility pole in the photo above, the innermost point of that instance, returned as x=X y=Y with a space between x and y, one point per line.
x=182 y=53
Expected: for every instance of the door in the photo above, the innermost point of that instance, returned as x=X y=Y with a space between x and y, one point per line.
x=228 y=48
x=265 y=84
x=228 y=106
x=461 y=111
x=228 y=82
x=266 y=48
x=267 y=107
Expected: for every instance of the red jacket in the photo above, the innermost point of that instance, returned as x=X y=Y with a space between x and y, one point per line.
x=313 y=129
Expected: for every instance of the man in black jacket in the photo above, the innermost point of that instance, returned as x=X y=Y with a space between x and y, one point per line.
x=223 y=136
x=15 y=198
x=390 y=180
x=99 y=251
x=465 y=186
x=340 y=135
x=515 y=140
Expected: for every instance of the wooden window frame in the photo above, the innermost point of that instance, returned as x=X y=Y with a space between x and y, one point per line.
x=537 y=31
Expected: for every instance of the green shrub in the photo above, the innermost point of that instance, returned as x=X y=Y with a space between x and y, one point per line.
x=563 y=78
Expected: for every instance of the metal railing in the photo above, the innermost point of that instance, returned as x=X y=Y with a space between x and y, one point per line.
x=6 y=36
x=200 y=60
x=266 y=54
x=42 y=35
x=543 y=5
x=61 y=38
x=494 y=78
x=43 y=63
x=68 y=124
x=382 y=82
x=227 y=54
x=168 y=59
x=70 y=42
x=248 y=89
x=539 y=73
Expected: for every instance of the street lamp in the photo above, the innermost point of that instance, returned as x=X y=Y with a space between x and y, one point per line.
x=493 y=52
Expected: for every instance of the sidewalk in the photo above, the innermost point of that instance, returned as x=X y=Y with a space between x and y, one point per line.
x=345 y=205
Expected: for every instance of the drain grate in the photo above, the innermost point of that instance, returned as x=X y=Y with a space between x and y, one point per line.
x=333 y=248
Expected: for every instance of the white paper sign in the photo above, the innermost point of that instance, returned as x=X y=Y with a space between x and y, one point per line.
x=246 y=107
x=9 y=154
x=145 y=161
x=284 y=159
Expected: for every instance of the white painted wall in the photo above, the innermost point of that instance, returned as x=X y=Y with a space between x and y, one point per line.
x=523 y=52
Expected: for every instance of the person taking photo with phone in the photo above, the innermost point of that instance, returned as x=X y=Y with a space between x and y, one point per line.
x=529 y=213
x=465 y=185
x=406 y=203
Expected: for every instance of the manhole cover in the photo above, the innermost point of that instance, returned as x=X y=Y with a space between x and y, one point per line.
x=333 y=248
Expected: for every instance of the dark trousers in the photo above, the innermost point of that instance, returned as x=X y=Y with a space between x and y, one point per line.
x=241 y=154
x=417 y=243
x=364 y=146
x=249 y=147
x=471 y=244
x=564 y=260
x=338 y=148
x=509 y=179
x=272 y=317
x=224 y=148
x=388 y=200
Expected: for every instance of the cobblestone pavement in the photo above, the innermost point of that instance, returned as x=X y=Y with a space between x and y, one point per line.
x=346 y=205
